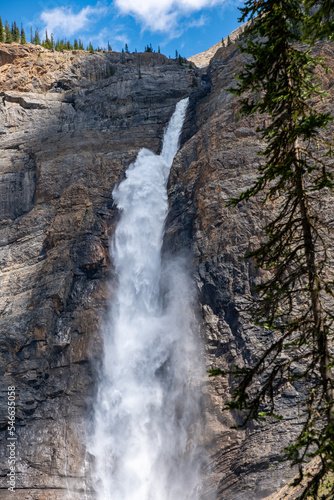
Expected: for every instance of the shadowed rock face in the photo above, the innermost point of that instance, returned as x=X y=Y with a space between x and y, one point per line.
x=70 y=124
x=67 y=136
x=214 y=165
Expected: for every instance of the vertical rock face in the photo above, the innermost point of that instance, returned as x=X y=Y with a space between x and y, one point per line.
x=218 y=162
x=70 y=124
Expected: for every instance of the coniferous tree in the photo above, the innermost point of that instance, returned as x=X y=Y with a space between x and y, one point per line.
x=292 y=303
x=37 y=40
x=31 y=35
x=47 y=43
x=9 y=37
x=2 y=36
x=23 y=36
x=127 y=49
x=109 y=47
x=321 y=22
x=229 y=41
x=15 y=33
x=76 y=45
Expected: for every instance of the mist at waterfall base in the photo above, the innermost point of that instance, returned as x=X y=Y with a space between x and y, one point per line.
x=147 y=410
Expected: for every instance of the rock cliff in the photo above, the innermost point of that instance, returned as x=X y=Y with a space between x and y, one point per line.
x=214 y=165
x=203 y=58
x=70 y=124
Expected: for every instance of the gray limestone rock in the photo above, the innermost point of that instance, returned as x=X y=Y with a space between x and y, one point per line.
x=70 y=124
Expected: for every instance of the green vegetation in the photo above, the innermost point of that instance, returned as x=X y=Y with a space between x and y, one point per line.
x=295 y=304
x=182 y=60
x=23 y=36
x=8 y=33
x=37 y=40
x=13 y=34
x=2 y=34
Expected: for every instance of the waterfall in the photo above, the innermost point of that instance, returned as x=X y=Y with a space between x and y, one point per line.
x=146 y=422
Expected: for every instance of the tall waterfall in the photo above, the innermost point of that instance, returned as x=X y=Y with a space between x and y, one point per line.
x=146 y=430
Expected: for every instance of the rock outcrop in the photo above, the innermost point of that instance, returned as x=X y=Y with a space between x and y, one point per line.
x=203 y=58
x=70 y=124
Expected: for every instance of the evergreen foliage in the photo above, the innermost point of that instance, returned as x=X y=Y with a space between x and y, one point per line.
x=321 y=23
x=8 y=33
x=37 y=40
x=293 y=303
x=48 y=44
x=182 y=60
x=2 y=35
x=23 y=36
x=15 y=33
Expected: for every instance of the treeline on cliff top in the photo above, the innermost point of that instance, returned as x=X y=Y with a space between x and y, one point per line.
x=11 y=33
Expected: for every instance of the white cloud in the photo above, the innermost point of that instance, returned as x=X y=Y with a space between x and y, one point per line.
x=163 y=15
x=63 y=21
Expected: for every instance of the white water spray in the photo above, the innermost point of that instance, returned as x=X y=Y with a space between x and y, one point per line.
x=145 y=439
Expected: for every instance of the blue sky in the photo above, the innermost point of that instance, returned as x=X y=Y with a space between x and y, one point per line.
x=188 y=26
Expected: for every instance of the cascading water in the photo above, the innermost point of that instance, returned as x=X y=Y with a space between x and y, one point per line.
x=146 y=429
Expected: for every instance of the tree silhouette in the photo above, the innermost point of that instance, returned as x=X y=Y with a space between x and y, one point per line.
x=23 y=36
